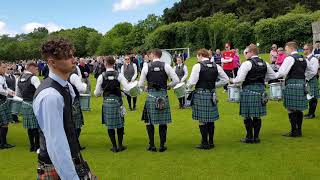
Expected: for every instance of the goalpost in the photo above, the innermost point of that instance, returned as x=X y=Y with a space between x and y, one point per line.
x=179 y=51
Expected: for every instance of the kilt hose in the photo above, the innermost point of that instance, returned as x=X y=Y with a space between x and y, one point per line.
x=29 y=119
x=151 y=114
x=295 y=95
x=111 y=112
x=77 y=115
x=313 y=87
x=203 y=109
x=251 y=101
x=5 y=114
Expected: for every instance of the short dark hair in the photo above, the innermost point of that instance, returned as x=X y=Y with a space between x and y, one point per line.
x=29 y=64
x=310 y=46
x=157 y=52
x=57 y=48
x=292 y=44
x=253 y=48
x=203 y=52
x=110 y=60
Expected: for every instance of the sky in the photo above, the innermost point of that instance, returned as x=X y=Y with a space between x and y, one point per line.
x=22 y=16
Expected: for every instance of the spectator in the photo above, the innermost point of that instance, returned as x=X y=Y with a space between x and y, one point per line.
x=273 y=53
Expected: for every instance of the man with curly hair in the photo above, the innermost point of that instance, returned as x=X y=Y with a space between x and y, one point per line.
x=59 y=156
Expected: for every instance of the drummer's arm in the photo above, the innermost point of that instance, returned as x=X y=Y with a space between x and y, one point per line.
x=172 y=74
x=242 y=72
x=135 y=72
x=76 y=81
x=143 y=76
x=123 y=81
x=185 y=69
x=4 y=92
x=285 y=67
x=35 y=81
x=270 y=73
x=222 y=76
x=194 y=76
x=98 y=91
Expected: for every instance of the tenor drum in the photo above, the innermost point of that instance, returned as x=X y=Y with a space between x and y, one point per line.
x=276 y=91
x=85 y=102
x=166 y=57
x=234 y=93
x=15 y=105
x=180 y=90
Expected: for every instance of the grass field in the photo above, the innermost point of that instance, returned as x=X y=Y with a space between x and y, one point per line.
x=276 y=157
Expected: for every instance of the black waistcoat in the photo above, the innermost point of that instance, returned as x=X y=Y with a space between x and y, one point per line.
x=208 y=75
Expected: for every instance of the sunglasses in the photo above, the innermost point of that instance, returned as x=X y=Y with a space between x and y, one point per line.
x=274 y=47
x=127 y=58
x=305 y=49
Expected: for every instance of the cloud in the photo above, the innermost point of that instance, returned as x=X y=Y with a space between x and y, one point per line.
x=5 y=30
x=125 y=5
x=52 y=27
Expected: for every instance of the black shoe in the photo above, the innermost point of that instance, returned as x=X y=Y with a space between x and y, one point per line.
x=130 y=108
x=211 y=145
x=122 y=148
x=32 y=149
x=309 y=116
x=299 y=133
x=162 y=149
x=82 y=148
x=290 y=134
x=152 y=149
x=114 y=149
x=7 y=146
x=246 y=140
x=134 y=109
x=203 y=146
x=256 y=140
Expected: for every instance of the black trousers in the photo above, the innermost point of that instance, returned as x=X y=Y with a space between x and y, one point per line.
x=230 y=74
x=129 y=101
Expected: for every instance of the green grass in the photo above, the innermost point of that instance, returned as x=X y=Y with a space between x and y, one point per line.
x=276 y=157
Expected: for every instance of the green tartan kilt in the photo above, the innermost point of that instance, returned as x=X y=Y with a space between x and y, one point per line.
x=151 y=114
x=5 y=114
x=29 y=119
x=294 y=95
x=314 y=87
x=111 y=112
x=251 y=101
x=203 y=110
x=77 y=115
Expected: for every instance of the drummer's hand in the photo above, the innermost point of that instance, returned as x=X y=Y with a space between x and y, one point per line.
x=168 y=88
x=11 y=93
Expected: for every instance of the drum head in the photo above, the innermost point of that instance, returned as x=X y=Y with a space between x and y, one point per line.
x=85 y=95
x=178 y=85
x=166 y=57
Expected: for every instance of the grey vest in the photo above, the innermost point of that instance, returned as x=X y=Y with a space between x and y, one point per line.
x=128 y=71
x=180 y=71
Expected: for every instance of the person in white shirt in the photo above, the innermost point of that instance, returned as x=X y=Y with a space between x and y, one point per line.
x=108 y=85
x=252 y=74
x=294 y=68
x=4 y=112
x=312 y=80
x=157 y=109
x=130 y=71
x=206 y=76
x=316 y=50
x=182 y=72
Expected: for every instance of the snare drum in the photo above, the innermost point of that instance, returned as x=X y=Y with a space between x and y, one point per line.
x=187 y=102
x=85 y=102
x=234 y=93
x=276 y=91
x=180 y=90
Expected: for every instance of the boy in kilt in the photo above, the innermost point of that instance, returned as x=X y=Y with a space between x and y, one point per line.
x=11 y=83
x=5 y=114
x=108 y=85
x=157 y=109
x=253 y=73
x=27 y=84
x=294 y=67
x=59 y=156
x=79 y=87
x=182 y=73
x=206 y=76
x=312 y=80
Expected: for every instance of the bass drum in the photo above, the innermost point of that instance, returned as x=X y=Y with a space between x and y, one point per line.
x=166 y=57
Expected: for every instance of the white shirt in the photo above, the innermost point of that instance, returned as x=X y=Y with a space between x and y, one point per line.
x=4 y=90
x=78 y=71
x=35 y=81
x=314 y=66
x=76 y=81
x=123 y=81
x=246 y=67
x=135 y=71
x=185 y=70
x=168 y=69
x=194 y=77
x=287 y=64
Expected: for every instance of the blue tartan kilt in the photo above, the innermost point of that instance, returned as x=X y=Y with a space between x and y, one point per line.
x=151 y=114
x=77 y=116
x=313 y=87
x=29 y=119
x=251 y=101
x=203 y=109
x=111 y=112
x=5 y=114
x=294 y=95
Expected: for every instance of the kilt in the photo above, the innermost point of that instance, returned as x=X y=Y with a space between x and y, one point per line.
x=14 y=107
x=294 y=95
x=29 y=119
x=111 y=112
x=313 y=87
x=49 y=172
x=5 y=114
x=203 y=110
x=77 y=116
x=251 y=101
x=151 y=114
